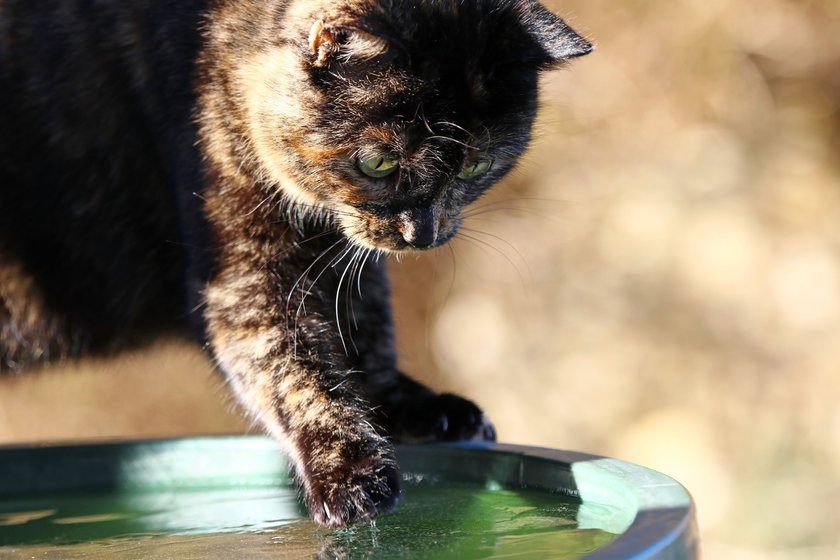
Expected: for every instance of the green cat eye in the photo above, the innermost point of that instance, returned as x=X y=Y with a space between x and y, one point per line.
x=377 y=166
x=479 y=167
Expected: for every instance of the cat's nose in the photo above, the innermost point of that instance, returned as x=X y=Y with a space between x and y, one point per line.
x=419 y=227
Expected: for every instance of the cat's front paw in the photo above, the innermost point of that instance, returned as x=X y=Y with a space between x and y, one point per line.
x=444 y=417
x=354 y=491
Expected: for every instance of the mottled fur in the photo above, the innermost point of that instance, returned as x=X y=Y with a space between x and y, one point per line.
x=192 y=166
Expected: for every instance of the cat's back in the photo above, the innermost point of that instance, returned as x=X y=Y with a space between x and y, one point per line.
x=102 y=83
x=95 y=131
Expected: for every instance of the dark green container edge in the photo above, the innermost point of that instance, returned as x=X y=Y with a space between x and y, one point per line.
x=658 y=521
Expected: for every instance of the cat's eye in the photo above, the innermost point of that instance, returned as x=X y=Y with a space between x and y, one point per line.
x=476 y=168
x=377 y=166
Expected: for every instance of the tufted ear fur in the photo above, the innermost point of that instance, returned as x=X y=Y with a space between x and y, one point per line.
x=343 y=44
x=555 y=38
x=322 y=43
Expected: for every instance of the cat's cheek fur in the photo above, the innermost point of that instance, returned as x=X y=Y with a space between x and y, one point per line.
x=293 y=157
x=270 y=104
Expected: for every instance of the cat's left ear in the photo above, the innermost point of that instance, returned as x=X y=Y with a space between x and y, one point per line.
x=323 y=43
x=348 y=44
x=557 y=40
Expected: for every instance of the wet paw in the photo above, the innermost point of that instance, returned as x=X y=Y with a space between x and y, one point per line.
x=443 y=417
x=356 y=491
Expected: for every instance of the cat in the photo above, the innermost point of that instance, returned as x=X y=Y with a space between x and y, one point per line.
x=236 y=170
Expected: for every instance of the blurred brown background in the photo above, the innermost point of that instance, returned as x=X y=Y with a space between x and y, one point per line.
x=659 y=281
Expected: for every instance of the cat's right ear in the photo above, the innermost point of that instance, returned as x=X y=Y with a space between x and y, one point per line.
x=557 y=40
x=328 y=44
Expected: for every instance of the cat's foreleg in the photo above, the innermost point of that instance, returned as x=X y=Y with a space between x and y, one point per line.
x=285 y=362
x=409 y=411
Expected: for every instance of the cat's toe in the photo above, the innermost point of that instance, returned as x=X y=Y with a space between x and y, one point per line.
x=443 y=417
x=461 y=420
x=355 y=492
x=488 y=430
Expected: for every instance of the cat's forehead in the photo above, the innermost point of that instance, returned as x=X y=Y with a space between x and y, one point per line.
x=448 y=29
x=439 y=36
x=437 y=41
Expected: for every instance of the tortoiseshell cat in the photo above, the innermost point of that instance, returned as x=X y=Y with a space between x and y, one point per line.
x=234 y=169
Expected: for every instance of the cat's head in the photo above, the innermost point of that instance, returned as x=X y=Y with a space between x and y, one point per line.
x=394 y=115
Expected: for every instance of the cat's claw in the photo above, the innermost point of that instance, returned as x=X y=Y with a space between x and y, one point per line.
x=355 y=492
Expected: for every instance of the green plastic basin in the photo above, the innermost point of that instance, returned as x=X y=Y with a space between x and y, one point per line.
x=232 y=497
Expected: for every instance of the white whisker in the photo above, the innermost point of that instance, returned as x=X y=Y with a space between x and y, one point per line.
x=338 y=299
x=361 y=270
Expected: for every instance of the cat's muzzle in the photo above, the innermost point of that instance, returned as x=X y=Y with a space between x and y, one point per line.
x=419 y=227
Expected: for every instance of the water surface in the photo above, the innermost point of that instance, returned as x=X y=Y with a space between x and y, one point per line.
x=439 y=521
